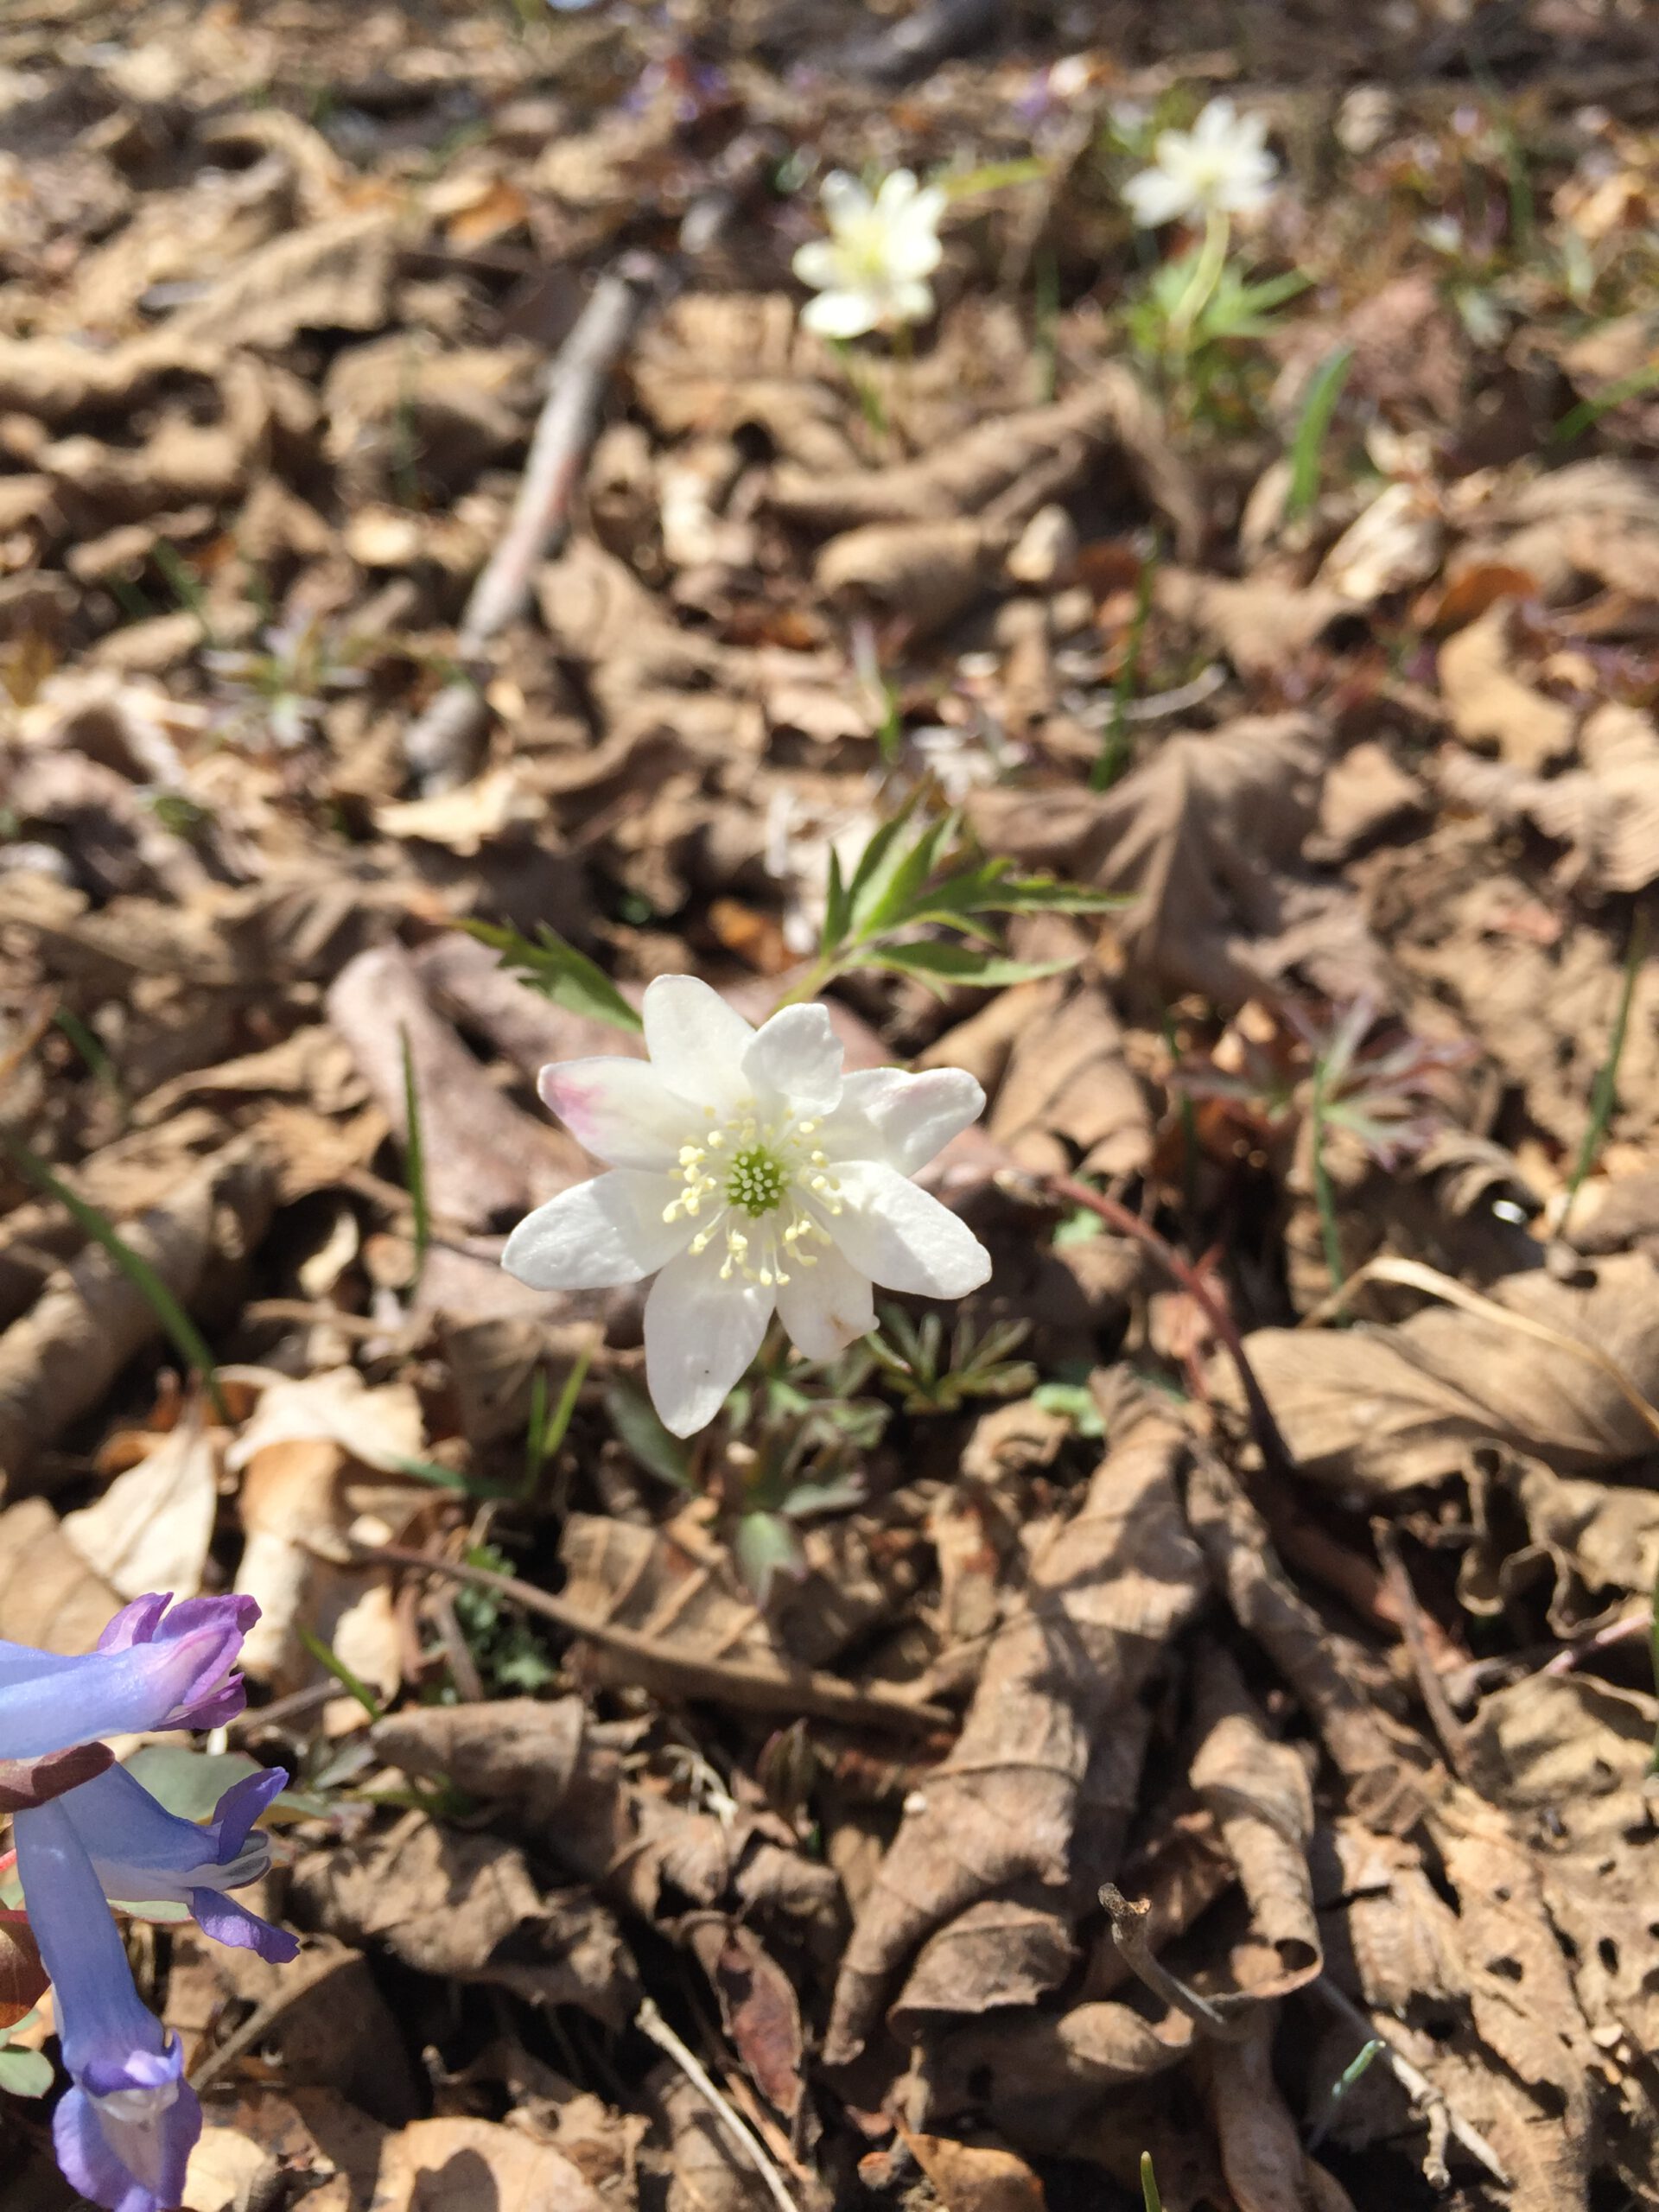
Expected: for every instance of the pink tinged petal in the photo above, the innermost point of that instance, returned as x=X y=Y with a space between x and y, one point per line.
x=797 y=1057
x=911 y=1116
x=900 y=1237
x=841 y=315
x=697 y=1042
x=619 y=1111
x=599 y=1234
x=827 y=1306
x=700 y=1334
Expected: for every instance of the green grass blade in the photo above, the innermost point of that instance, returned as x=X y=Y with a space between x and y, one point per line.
x=1307 y=448
x=1588 y=412
x=1115 y=746
x=342 y=1674
x=188 y=1340
x=1604 y=1095
x=548 y=1433
x=414 y=1159
x=1149 y=2196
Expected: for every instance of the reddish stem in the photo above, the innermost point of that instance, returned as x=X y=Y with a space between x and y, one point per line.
x=1181 y=1271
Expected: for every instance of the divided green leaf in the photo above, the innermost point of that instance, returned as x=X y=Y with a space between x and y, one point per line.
x=555 y=968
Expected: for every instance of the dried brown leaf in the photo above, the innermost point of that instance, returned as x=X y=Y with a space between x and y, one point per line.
x=1106 y=1595
x=496 y=1926
x=1206 y=839
x=1257 y=1791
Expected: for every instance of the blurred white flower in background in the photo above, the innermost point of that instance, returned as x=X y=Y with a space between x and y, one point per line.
x=870 y=273
x=1221 y=166
x=749 y=1175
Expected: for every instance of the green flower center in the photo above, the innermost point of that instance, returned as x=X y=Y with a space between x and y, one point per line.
x=756 y=1182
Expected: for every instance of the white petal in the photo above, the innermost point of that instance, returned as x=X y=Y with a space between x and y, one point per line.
x=827 y=1306
x=1153 y=198
x=700 y=1334
x=910 y=1117
x=1215 y=124
x=910 y=302
x=844 y=197
x=619 y=1111
x=913 y=254
x=818 y=263
x=797 y=1057
x=895 y=195
x=900 y=1237
x=697 y=1042
x=598 y=1235
x=841 y=315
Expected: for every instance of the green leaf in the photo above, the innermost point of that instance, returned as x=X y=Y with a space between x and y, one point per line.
x=837 y=909
x=938 y=966
x=877 y=865
x=635 y=1420
x=189 y=1784
x=25 y=2073
x=888 y=902
x=765 y=1546
x=1073 y=1400
x=559 y=972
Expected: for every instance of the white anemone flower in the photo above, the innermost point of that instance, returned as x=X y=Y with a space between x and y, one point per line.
x=1221 y=166
x=749 y=1175
x=870 y=273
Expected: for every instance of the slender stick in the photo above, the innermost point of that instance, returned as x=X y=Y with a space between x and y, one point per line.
x=750 y=1686
x=651 y=2022
x=1416 y=2084
x=1228 y=2021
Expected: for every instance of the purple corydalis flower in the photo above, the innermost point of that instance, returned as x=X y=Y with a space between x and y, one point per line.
x=142 y=1854
x=123 y=2133
x=156 y=1665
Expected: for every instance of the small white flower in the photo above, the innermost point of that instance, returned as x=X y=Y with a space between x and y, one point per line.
x=748 y=1174
x=870 y=272
x=1220 y=166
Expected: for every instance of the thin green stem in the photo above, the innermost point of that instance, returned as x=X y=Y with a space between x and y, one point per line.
x=1206 y=274
x=187 y=1339
x=415 y=1159
x=1115 y=746
x=869 y=400
x=1149 y=2196
x=1604 y=1095
x=1324 y=1197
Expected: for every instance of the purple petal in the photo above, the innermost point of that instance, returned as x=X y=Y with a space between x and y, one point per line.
x=153 y=1668
x=241 y=1806
x=231 y=1923
x=93 y=2148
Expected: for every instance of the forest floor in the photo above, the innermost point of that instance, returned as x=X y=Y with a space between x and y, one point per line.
x=1273 y=1541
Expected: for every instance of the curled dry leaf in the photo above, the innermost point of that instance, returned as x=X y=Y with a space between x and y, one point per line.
x=62 y=1356
x=1068 y=1102
x=1565 y=1372
x=568 y=1793
x=975 y=2176
x=1262 y=2154
x=1606 y=812
x=486 y=1162
x=1206 y=838
x=497 y=1925
x=1106 y=1594
x=477 y=2166
x=1325 y=1673
x=49 y=1596
x=1258 y=1793
x=151 y=1528
x=1491 y=706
